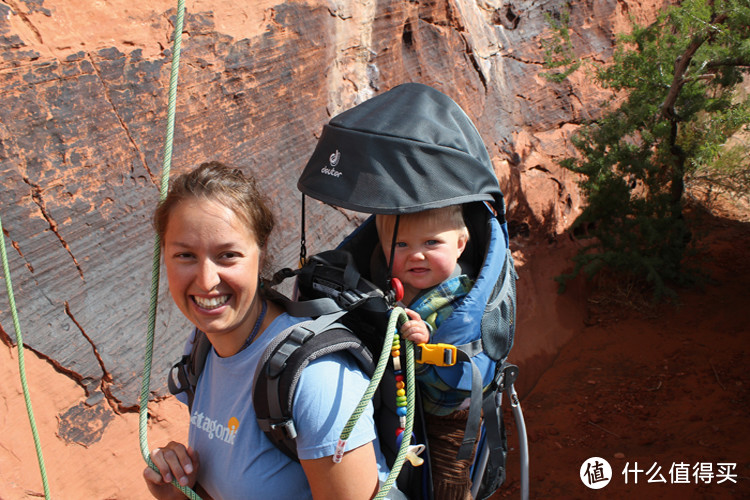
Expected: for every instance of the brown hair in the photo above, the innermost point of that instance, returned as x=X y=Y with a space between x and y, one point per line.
x=228 y=186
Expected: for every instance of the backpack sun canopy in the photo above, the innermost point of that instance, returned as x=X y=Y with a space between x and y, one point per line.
x=409 y=149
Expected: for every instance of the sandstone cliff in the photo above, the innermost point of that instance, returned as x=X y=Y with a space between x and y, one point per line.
x=84 y=91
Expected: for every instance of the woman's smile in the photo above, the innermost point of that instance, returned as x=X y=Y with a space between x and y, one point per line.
x=212 y=261
x=210 y=303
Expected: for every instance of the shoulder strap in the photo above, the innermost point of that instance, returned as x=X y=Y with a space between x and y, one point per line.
x=281 y=366
x=183 y=376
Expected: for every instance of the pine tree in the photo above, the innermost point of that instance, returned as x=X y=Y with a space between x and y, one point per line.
x=676 y=105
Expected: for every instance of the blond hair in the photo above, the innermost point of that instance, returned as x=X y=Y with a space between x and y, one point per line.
x=452 y=215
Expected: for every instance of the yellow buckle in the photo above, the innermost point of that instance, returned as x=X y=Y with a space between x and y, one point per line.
x=436 y=354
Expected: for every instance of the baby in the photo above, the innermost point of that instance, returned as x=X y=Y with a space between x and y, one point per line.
x=425 y=260
x=427 y=248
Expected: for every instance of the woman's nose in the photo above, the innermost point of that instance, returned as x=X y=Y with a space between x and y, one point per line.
x=207 y=277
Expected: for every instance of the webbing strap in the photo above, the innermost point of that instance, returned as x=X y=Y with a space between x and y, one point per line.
x=311 y=308
x=472 y=348
x=492 y=426
x=475 y=408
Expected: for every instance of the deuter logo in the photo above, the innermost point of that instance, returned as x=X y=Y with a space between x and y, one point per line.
x=330 y=169
x=334 y=158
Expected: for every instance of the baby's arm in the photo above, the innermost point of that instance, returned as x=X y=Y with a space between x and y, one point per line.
x=415 y=329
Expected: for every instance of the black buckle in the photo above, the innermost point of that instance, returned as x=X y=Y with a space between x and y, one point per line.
x=351 y=299
x=285 y=430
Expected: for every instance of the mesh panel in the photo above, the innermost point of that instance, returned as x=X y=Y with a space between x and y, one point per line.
x=499 y=318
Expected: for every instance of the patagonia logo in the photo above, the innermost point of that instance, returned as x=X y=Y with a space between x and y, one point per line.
x=330 y=169
x=214 y=429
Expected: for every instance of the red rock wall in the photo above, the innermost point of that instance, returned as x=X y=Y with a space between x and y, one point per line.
x=82 y=122
x=84 y=88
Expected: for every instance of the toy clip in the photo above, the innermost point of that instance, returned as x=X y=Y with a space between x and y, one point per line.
x=435 y=354
x=412 y=454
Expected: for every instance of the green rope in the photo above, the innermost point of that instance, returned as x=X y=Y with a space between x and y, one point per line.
x=166 y=165
x=21 y=362
x=397 y=315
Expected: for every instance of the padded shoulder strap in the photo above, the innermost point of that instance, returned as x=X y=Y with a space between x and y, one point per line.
x=281 y=366
x=183 y=377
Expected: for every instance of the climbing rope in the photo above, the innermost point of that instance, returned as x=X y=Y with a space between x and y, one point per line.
x=164 y=188
x=398 y=315
x=21 y=362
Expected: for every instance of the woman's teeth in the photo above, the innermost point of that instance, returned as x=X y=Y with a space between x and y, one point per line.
x=211 y=302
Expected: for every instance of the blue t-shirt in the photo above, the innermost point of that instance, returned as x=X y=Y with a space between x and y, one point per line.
x=237 y=461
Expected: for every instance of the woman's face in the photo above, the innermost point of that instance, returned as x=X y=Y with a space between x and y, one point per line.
x=212 y=262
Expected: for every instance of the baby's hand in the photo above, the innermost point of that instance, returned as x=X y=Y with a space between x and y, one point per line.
x=415 y=329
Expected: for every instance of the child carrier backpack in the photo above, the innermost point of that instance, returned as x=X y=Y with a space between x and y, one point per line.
x=406 y=150
x=412 y=149
x=329 y=289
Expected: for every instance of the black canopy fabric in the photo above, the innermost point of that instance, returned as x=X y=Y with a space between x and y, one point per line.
x=409 y=149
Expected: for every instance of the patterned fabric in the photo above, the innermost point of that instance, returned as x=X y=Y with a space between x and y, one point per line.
x=438 y=398
x=439 y=303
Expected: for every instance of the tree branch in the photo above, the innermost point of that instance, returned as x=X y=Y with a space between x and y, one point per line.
x=681 y=65
x=735 y=61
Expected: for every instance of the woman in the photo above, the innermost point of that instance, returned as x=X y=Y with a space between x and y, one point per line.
x=214 y=228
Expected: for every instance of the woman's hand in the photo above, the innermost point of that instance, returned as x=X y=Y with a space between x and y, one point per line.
x=174 y=461
x=415 y=329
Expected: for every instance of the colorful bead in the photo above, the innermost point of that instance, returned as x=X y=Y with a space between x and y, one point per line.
x=401 y=399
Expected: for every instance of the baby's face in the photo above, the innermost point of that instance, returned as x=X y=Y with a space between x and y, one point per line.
x=426 y=254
